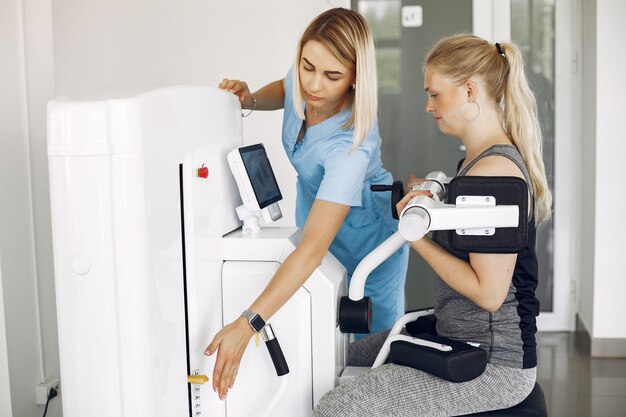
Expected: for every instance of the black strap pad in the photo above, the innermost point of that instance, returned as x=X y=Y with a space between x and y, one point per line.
x=506 y=191
x=423 y=324
x=460 y=364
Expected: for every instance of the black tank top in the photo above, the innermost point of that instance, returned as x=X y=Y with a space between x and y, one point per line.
x=508 y=335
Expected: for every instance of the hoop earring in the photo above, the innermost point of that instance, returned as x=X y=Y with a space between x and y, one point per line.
x=474 y=111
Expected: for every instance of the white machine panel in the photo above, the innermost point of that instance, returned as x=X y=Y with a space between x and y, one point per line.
x=257 y=383
x=324 y=288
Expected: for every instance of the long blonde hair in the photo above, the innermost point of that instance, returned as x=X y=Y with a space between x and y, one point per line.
x=460 y=57
x=346 y=34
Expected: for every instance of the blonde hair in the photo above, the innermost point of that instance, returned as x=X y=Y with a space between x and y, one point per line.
x=346 y=34
x=459 y=58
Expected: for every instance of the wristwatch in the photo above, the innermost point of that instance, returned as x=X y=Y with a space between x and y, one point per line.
x=256 y=322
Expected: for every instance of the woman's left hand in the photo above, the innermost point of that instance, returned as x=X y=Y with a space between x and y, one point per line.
x=411 y=182
x=407 y=197
x=230 y=344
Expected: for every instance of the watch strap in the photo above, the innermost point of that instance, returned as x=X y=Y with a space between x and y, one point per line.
x=255 y=321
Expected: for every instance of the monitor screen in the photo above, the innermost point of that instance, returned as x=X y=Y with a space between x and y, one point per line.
x=261 y=176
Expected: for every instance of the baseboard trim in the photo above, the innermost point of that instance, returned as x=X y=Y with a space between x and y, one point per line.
x=601 y=348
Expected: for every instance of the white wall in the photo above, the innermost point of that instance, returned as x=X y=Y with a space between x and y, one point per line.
x=603 y=279
x=108 y=47
x=39 y=87
x=5 y=383
x=610 y=126
x=17 y=242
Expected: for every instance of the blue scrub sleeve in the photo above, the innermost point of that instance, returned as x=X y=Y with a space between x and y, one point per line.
x=344 y=174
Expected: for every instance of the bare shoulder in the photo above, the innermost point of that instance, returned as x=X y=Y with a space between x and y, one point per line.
x=496 y=166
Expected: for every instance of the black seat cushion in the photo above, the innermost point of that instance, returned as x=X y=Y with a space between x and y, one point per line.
x=533 y=406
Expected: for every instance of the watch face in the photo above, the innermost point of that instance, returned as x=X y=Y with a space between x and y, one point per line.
x=257 y=323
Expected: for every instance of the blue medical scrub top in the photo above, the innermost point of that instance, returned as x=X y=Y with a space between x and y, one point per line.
x=329 y=170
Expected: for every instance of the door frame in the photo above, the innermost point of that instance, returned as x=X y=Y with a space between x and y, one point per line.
x=492 y=21
x=567 y=166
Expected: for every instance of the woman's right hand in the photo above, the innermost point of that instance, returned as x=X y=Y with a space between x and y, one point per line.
x=240 y=89
x=409 y=196
x=230 y=344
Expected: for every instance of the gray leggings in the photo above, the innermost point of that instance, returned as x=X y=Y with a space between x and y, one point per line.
x=394 y=390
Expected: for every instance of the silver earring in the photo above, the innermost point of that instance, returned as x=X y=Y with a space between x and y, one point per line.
x=473 y=111
x=354 y=86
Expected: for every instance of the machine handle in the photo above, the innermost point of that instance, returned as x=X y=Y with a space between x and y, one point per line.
x=381 y=187
x=435 y=183
x=397 y=192
x=415 y=223
x=276 y=353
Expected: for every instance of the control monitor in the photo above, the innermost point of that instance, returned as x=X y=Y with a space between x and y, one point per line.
x=256 y=182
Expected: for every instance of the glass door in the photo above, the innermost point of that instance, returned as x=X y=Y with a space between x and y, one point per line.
x=548 y=31
x=532 y=29
x=404 y=31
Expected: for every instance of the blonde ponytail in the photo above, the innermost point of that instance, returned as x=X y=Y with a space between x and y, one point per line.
x=460 y=57
x=519 y=113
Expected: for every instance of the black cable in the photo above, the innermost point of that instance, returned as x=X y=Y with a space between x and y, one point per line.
x=46 y=409
x=51 y=394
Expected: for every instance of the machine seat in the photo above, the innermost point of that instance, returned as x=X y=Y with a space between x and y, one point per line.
x=533 y=406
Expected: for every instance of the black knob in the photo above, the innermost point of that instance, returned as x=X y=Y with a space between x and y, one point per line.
x=355 y=316
x=397 y=192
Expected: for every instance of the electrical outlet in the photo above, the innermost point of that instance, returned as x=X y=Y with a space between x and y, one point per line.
x=42 y=390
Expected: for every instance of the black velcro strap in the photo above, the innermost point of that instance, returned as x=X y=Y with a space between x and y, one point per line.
x=463 y=363
x=507 y=191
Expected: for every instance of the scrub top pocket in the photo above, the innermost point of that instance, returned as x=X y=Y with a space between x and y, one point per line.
x=359 y=217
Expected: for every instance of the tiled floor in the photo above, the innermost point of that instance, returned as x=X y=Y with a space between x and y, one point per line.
x=576 y=385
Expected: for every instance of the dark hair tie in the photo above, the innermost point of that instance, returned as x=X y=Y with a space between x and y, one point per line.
x=500 y=51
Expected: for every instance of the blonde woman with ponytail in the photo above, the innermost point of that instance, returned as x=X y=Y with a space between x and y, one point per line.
x=330 y=135
x=478 y=93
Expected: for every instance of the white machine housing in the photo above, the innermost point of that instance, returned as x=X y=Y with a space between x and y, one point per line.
x=150 y=263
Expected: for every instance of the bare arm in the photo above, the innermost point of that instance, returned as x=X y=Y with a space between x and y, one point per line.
x=322 y=225
x=486 y=278
x=269 y=97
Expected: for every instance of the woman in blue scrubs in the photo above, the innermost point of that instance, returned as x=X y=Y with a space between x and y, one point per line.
x=330 y=134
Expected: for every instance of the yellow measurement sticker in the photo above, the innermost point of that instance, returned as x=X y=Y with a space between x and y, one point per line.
x=197 y=379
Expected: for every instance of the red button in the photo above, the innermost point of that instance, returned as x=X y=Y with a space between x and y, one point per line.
x=202 y=172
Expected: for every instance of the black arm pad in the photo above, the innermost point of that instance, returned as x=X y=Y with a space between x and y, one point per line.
x=507 y=191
